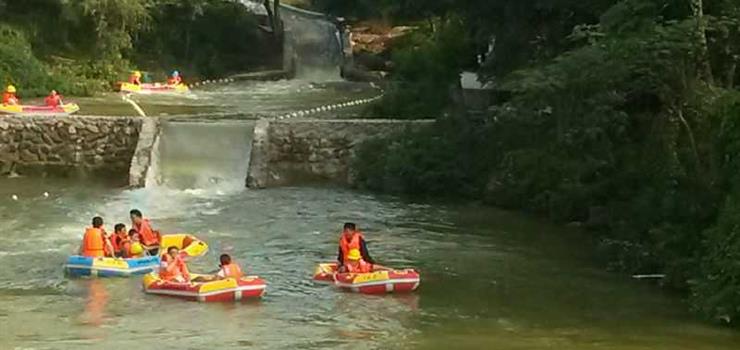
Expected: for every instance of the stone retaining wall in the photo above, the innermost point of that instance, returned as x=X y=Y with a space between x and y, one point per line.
x=61 y=144
x=292 y=152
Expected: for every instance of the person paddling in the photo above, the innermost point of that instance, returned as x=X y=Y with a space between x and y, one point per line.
x=95 y=243
x=9 y=96
x=135 y=78
x=175 y=79
x=227 y=269
x=54 y=99
x=350 y=239
x=172 y=267
x=149 y=237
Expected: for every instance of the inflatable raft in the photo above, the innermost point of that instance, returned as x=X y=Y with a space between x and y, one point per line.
x=155 y=88
x=187 y=243
x=66 y=109
x=82 y=266
x=230 y=289
x=378 y=282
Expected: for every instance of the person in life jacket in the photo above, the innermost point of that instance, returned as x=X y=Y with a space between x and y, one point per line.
x=227 y=269
x=149 y=237
x=355 y=263
x=95 y=243
x=135 y=78
x=9 y=96
x=120 y=241
x=350 y=239
x=175 y=79
x=172 y=267
x=136 y=249
x=54 y=99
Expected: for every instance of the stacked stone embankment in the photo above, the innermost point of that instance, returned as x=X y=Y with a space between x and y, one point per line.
x=60 y=144
x=298 y=151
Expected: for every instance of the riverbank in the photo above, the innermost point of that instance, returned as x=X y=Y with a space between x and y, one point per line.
x=96 y=45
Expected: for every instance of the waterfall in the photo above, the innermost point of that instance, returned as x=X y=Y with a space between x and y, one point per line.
x=201 y=155
x=312 y=40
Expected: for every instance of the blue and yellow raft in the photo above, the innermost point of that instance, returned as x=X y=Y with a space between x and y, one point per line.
x=81 y=266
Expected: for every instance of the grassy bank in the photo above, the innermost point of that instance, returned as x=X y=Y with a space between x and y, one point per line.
x=81 y=47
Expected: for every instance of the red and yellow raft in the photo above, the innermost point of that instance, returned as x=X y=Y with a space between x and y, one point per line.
x=65 y=109
x=155 y=88
x=227 y=290
x=377 y=282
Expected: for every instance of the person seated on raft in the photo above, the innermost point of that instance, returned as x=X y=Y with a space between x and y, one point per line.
x=172 y=267
x=355 y=264
x=120 y=241
x=175 y=79
x=149 y=237
x=95 y=243
x=227 y=269
x=135 y=78
x=136 y=249
x=54 y=99
x=350 y=239
x=9 y=96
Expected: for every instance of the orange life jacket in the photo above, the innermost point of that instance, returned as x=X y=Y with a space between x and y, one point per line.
x=134 y=80
x=148 y=237
x=232 y=270
x=118 y=243
x=174 y=81
x=10 y=99
x=93 y=243
x=352 y=243
x=170 y=269
x=53 y=100
x=362 y=267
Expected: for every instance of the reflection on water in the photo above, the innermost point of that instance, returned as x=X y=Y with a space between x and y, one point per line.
x=97 y=298
x=490 y=280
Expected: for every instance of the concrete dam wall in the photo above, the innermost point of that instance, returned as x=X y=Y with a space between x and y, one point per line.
x=283 y=152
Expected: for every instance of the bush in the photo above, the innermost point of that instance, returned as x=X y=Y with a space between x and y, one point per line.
x=19 y=67
x=427 y=65
x=716 y=293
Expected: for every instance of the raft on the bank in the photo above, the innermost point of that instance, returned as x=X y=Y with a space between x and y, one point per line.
x=377 y=282
x=226 y=290
x=82 y=266
x=65 y=109
x=186 y=243
x=155 y=88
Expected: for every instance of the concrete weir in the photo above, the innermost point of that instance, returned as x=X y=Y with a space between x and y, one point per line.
x=142 y=157
x=283 y=152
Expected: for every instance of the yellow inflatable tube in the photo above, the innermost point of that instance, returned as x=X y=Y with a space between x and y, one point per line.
x=187 y=243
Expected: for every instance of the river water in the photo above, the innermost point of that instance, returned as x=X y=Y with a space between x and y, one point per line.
x=249 y=97
x=491 y=280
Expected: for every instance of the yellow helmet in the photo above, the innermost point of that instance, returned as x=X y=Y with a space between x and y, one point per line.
x=136 y=248
x=137 y=74
x=354 y=255
x=10 y=89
